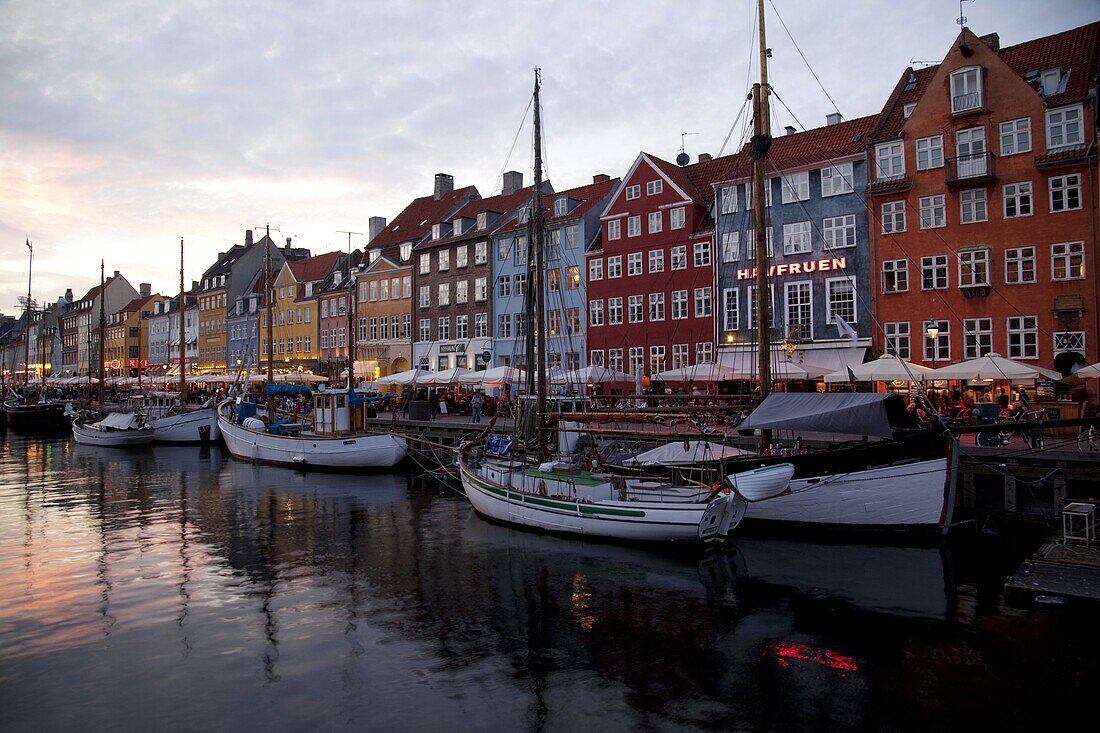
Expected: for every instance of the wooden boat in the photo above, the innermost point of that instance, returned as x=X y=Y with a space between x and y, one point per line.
x=48 y=415
x=175 y=424
x=116 y=430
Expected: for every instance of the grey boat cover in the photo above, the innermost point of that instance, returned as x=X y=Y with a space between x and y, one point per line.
x=829 y=412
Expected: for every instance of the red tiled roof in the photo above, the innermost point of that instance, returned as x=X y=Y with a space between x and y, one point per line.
x=315 y=268
x=136 y=303
x=502 y=204
x=677 y=175
x=417 y=218
x=589 y=195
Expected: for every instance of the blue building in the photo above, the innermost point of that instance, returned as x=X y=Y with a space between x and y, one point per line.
x=572 y=224
x=818 y=249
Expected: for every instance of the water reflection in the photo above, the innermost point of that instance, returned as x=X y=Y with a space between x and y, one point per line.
x=194 y=583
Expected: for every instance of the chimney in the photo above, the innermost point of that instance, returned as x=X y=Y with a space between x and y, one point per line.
x=834 y=118
x=247 y=237
x=145 y=290
x=221 y=255
x=992 y=40
x=116 y=273
x=601 y=178
x=288 y=244
x=375 y=225
x=444 y=184
x=790 y=130
x=513 y=181
x=194 y=286
x=68 y=295
x=704 y=157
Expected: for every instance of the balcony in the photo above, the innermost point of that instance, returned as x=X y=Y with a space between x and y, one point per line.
x=968 y=103
x=971 y=171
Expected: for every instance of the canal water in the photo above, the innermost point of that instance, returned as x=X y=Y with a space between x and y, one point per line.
x=176 y=589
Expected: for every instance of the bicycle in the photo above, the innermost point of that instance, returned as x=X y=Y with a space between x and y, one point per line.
x=1088 y=441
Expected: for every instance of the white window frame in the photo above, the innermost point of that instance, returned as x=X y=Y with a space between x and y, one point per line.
x=1015 y=136
x=595 y=312
x=973 y=206
x=797 y=237
x=635 y=309
x=933 y=211
x=701 y=254
x=974 y=267
x=796 y=187
x=728 y=197
x=831 y=284
x=895 y=276
x=595 y=269
x=656 y=306
x=964 y=99
x=656 y=261
x=890 y=160
x=977 y=337
x=897 y=339
x=1022 y=337
x=677 y=218
x=1066 y=123
x=789 y=303
x=634 y=226
x=731 y=246
x=614 y=267
x=731 y=309
x=656 y=222
x=836 y=180
x=1017 y=260
x=614 y=229
x=929 y=152
x=633 y=264
x=652 y=188
x=703 y=306
x=939 y=349
x=839 y=228
x=936 y=265
x=1020 y=196
x=1069 y=186
x=677 y=257
x=893 y=217
x=615 y=311
x=1063 y=255
x=633 y=192
x=679 y=309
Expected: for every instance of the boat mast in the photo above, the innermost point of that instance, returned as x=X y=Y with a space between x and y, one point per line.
x=537 y=235
x=761 y=142
x=270 y=333
x=350 y=310
x=27 y=324
x=183 y=342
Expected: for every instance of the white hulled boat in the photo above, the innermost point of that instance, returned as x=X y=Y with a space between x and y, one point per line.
x=116 y=430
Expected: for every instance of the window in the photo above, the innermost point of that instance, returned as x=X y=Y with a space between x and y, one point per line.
x=1067 y=261
x=572 y=236
x=938 y=349
x=561 y=206
x=633 y=192
x=836 y=180
x=908 y=109
x=656 y=306
x=729 y=199
x=615 y=359
x=796 y=237
x=679 y=356
x=595 y=357
x=481 y=325
x=1017 y=199
x=595 y=269
x=966 y=89
x=678 y=257
x=462 y=256
x=425 y=296
x=656 y=260
x=970 y=151
x=615 y=266
x=895 y=276
x=504 y=325
x=481 y=253
x=462 y=291
x=731 y=246
x=519 y=283
x=425 y=331
x=796 y=187
x=730 y=309
x=973 y=268
x=595 y=312
x=1020 y=265
x=676 y=218
x=614 y=229
x=1064 y=128
x=1023 y=337
x=841 y=296
x=889 y=160
x=933 y=212
x=972 y=206
x=1069 y=341
x=800 y=310
x=482 y=220
x=1050 y=81
x=444 y=294
x=406 y=286
x=930 y=152
x=481 y=289
x=893 y=217
x=1016 y=136
x=633 y=226
x=652 y=188
x=679 y=305
x=656 y=222
x=634 y=263
x=425 y=263
x=637 y=359
x=702 y=254
x=704 y=352
x=614 y=311
x=572 y=277
x=933 y=272
x=444 y=328
x=656 y=359
x=405 y=252
x=553 y=247
x=977 y=337
x=702 y=302
x=634 y=309
x=839 y=231
x=444 y=260
x=1065 y=193
x=750 y=243
x=553 y=280
x=383 y=290
x=897 y=338
x=462 y=327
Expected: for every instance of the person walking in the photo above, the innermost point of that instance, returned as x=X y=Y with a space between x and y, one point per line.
x=476 y=403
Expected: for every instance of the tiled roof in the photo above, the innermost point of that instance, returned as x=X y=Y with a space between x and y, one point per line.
x=136 y=303
x=677 y=175
x=588 y=195
x=314 y=268
x=503 y=204
x=417 y=218
x=910 y=88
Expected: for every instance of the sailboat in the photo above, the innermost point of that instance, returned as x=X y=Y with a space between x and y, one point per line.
x=173 y=421
x=335 y=438
x=529 y=490
x=32 y=411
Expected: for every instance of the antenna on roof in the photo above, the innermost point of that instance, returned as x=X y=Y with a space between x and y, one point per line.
x=916 y=62
x=962 y=18
x=683 y=158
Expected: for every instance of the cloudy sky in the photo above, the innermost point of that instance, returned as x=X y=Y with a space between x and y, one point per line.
x=127 y=125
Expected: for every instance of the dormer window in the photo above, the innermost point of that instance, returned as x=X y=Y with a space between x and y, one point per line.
x=561 y=206
x=966 y=89
x=406 y=251
x=524 y=214
x=1050 y=82
x=908 y=109
x=457 y=226
x=437 y=231
x=482 y=220
x=373 y=255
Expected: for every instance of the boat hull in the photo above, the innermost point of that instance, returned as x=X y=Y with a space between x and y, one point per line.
x=311 y=451
x=627 y=520
x=41 y=416
x=195 y=426
x=85 y=435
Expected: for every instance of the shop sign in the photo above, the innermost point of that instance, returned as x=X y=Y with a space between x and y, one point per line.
x=797 y=268
x=452 y=348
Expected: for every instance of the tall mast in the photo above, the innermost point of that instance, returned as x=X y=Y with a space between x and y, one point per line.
x=761 y=141
x=350 y=311
x=270 y=333
x=537 y=237
x=183 y=342
x=102 y=318
x=27 y=324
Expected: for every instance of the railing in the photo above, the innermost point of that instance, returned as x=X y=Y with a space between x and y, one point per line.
x=966 y=102
x=970 y=169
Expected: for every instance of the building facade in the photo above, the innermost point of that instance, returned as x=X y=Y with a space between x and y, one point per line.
x=295 y=314
x=336 y=313
x=383 y=315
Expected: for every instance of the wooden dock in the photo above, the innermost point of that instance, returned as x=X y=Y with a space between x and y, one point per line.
x=1057 y=573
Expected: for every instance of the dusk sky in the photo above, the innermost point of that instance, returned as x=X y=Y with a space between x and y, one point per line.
x=128 y=125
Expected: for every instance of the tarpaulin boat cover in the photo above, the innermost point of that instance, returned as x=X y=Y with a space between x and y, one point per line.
x=120 y=421
x=683 y=453
x=830 y=412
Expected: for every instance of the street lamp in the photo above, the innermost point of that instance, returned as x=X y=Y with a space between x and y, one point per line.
x=933 y=331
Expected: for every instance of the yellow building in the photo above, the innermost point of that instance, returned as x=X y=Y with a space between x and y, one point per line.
x=294 y=314
x=126 y=338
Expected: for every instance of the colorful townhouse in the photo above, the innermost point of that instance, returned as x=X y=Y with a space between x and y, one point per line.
x=164 y=333
x=384 y=318
x=452 y=278
x=651 y=272
x=983 y=204
x=335 y=303
x=80 y=328
x=818 y=251
x=572 y=225
x=295 y=314
x=126 y=343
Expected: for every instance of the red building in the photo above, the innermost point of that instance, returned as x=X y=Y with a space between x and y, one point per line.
x=982 y=204
x=650 y=274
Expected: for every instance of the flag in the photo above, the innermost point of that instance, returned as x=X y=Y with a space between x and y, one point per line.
x=843 y=329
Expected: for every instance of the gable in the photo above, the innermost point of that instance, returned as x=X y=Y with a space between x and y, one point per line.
x=643 y=170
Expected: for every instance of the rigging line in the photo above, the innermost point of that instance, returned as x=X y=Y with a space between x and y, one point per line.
x=933 y=231
x=802 y=55
x=522 y=122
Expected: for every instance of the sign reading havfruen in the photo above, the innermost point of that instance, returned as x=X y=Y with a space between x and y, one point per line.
x=797 y=268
